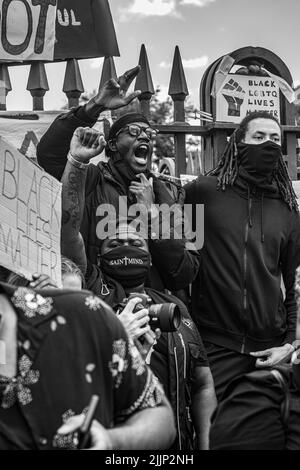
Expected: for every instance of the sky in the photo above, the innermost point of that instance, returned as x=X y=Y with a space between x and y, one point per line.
x=204 y=30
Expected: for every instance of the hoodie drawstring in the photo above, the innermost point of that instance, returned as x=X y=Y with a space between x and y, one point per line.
x=262 y=235
x=249 y=208
x=262 y=218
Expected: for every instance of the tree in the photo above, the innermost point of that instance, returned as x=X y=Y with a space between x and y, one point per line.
x=162 y=113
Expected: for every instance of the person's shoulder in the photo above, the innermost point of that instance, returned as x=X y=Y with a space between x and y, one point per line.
x=82 y=303
x=175 y=190
x=94 y=177
x=295 y=216
x=200 y=185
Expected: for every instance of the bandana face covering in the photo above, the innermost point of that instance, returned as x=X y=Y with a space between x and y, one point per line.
x=127 y=264
x=261 y=159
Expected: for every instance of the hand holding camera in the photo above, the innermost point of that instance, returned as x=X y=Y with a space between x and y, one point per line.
x=135 y=317
x=165 y=316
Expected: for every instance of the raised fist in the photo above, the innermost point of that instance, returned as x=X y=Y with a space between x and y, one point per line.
x=234 y=95
x=86 y=143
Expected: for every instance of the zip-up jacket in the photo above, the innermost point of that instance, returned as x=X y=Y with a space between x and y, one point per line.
x=251 y=242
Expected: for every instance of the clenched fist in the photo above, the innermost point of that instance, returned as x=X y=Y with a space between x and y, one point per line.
x=86 y=143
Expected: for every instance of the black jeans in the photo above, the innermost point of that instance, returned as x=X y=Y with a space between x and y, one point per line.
x=226 y=365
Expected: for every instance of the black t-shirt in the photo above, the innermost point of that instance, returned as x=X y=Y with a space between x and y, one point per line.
x=159 y=361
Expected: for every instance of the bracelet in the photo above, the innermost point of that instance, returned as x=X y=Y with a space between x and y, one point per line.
x=76 y=163
x=291 y=345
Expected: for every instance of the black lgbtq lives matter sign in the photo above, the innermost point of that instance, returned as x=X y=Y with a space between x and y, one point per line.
x=241 y=94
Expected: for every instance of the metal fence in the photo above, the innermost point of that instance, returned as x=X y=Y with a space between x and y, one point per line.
x=37 y=85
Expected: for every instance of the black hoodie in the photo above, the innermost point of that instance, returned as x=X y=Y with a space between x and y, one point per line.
x=251 y=239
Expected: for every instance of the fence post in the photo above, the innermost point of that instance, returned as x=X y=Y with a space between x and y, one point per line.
x=178 y=91
x=291 y=146
x=73 y=86
x=4 y=76
x=144 y=83
x=37 y=85
x=108 y=72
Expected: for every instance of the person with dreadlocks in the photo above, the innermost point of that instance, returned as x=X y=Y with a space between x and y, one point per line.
x=251 y=242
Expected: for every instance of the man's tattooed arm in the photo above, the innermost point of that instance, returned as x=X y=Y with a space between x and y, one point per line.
x=73 y=199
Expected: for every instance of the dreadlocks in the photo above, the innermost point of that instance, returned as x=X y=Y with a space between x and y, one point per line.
x=227 y=168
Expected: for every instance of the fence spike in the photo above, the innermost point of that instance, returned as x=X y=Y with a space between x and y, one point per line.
x=37 y=85
x=178 y=89
x=4 y=76
x=108 y=71
x=73 y=86
x=144 y=83
x=144 y=80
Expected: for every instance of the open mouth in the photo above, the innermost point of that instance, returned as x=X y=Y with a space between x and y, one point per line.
x=141 y=154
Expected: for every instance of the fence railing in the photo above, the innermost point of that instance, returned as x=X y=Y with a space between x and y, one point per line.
x=37 y=85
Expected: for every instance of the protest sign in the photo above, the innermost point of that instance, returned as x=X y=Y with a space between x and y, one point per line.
x=30 y=222
x=24 y=130
x=241 y=94
x=84 y=29
x=27 y=29
x=55 y=30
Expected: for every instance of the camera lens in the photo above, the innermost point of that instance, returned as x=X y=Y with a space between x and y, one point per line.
x=165 y=316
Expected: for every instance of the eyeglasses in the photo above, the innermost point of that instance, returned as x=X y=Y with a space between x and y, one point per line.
x=135 y=131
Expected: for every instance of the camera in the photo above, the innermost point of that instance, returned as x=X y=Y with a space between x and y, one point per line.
x=165 y=316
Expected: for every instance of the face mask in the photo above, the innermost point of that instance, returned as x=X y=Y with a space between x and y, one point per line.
x=261 y=159
x=127 y=264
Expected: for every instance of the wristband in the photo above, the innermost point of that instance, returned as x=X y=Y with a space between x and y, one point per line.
x=292 y=346
x=76 y=163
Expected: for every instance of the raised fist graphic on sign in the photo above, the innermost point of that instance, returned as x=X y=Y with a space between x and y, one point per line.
x=234 y=95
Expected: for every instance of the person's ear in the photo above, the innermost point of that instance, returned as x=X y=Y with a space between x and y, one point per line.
x=112 y=145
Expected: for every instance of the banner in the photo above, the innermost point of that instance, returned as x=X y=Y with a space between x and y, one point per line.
x=30 y=221
x=241 y=94
x=27 y=29
x=24 y=130
x=84 y=29
x=56 y=30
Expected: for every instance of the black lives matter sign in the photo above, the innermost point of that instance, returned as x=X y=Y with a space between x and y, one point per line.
x=30 y=207
x=241 y=94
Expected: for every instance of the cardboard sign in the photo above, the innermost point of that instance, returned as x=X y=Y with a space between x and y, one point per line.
x=24 y=130
x=241 y=94
x=30 y=221
x=27 y=29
